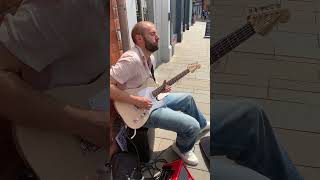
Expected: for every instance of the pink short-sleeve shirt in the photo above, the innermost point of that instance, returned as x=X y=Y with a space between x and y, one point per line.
x=132 y=70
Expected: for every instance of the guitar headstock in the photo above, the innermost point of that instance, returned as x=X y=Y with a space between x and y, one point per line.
x=264 y=18
x=193 y=67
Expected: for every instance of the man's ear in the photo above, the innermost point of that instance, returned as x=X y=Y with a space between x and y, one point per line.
x=139 y=37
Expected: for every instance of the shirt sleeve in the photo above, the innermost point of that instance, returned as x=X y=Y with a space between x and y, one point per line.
x=153 y=61
x=123 y=70
x=34 y=35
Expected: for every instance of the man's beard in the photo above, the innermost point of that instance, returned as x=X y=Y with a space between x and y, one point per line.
x=149 y=46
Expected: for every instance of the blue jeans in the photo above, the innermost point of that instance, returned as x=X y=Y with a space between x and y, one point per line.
x=241 y=131
x=180 y=115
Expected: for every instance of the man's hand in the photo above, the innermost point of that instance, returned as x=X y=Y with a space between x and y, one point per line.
x=167 y=88
x=142 y=102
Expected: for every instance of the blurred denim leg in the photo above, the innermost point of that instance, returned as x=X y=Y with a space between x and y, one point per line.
x=241 y=131
x=186 y=123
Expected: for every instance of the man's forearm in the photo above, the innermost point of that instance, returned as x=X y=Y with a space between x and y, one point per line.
x=25 y=106
x=120 y=95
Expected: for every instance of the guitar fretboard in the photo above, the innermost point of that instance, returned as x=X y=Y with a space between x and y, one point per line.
x=157 y=91
x=223 y=46
x=177 y=77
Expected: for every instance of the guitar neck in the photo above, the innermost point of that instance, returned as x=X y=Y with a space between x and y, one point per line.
x=225 y=45
x=177 y=77
x=157 y=91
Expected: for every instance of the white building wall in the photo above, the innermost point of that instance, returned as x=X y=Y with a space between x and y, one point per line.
x=132 y=17
x=162 y=24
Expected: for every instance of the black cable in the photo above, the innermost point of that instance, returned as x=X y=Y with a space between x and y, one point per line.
x=136 y=149
x=153 y=166
x=148 y=166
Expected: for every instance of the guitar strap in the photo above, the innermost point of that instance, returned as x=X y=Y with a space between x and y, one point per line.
x=152 y=72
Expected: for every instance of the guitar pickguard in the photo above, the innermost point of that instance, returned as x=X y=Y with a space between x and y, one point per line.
x=147 y=93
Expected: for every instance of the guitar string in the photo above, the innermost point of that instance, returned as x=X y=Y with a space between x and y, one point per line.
x=219 y=48
x=159 y=89
x=245 y=29
x=179 y=76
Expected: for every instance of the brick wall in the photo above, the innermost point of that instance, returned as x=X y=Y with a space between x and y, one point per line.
x=115 y=35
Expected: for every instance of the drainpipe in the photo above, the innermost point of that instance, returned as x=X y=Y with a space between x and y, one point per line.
x=123 y=20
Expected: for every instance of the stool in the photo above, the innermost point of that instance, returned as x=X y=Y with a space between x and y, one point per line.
x=144 y=141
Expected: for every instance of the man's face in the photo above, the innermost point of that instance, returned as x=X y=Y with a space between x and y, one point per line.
x=151 y=39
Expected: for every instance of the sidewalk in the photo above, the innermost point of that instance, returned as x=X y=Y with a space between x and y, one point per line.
x=194 y=48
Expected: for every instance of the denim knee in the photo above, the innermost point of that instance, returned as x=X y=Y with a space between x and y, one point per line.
x=255 y=107
x=256 y=116
x=188 y=96
x=193 y=129
x=252 y=108
x=250 y=105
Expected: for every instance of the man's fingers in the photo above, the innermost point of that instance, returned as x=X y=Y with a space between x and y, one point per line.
x=148 y=106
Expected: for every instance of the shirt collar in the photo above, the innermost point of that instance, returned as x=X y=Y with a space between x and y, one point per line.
x=148 y=62
x=143 y=56
x=140 y=52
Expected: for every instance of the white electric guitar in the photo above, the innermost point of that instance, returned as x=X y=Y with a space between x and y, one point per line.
x=135 y=117
x=57 y=156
